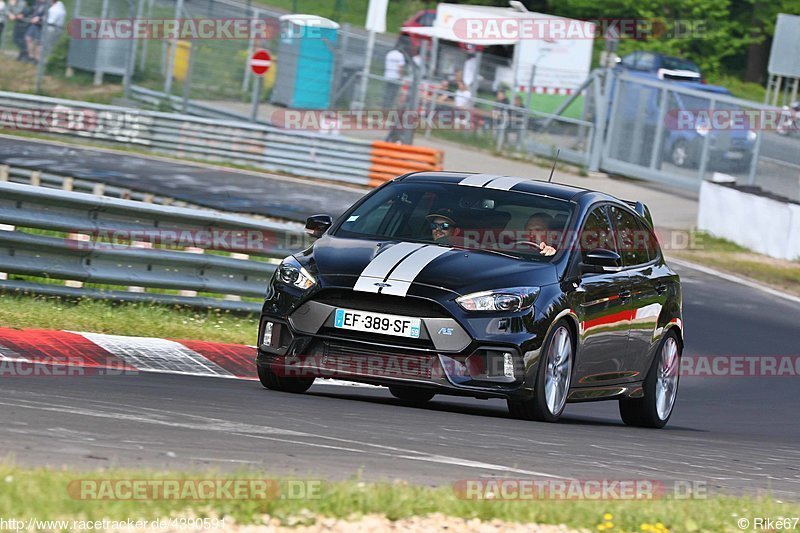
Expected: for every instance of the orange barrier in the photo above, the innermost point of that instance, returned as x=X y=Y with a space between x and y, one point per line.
x=389 y=160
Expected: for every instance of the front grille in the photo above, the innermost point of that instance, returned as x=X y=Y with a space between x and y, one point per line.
x=347 y=358
x=382 y=303
x=347 y=334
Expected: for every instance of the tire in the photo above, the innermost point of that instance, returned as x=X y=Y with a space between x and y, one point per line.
x=411 y=395
x=654 y=409
x=680 y=155
x=272 y=381
x=553 y=378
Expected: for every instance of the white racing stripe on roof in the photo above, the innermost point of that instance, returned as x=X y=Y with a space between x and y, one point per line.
x=160 y=355
x=380 y=266
x=478 y=180
x=505 y=183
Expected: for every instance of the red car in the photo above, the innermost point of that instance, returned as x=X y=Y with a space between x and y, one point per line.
x=420 y=19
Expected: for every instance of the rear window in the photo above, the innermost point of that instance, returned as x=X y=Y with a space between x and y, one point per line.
x=449 y=214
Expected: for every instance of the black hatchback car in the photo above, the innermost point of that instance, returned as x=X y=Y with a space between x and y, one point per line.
x=485 y=286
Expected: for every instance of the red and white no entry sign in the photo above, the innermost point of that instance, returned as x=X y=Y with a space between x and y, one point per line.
x=260 y=62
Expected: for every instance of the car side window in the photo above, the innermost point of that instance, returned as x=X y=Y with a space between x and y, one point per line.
x=646 y=61
x=650 y=242
x=597 y=233
x=629 y=60
x=632 y=238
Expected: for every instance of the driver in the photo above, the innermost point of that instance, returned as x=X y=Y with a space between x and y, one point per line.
x=443 y=226
x=537 y=228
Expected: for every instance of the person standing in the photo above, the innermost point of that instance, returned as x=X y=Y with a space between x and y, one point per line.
x=393 y=65
x=33 y=35
x=3 y=18
x=18 y=11
x=53 y=26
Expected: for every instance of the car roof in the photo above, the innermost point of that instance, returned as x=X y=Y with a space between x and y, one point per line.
x=527 y=185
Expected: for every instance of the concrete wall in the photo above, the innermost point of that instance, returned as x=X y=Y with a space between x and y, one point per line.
x=763 y=225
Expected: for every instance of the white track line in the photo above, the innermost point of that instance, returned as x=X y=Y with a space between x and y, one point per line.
x=734 y=279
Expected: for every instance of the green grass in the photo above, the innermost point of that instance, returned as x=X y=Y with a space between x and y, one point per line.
x=43 y=493
x=730 y=257
x=140 y=319
x=740 y=89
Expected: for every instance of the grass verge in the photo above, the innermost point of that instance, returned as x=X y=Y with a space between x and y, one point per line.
x=29 y=492
x=724 y=255
x=140 y=319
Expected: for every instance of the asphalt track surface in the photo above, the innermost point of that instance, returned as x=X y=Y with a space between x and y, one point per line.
x=737 y=435
x=203 y=185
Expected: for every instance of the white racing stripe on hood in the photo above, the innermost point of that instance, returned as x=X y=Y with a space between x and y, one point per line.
x=380 y=266
x=400 y=280
x=393 y=271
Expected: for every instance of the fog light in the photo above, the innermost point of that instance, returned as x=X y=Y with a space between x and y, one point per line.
x=508 y=365
x=267 y=339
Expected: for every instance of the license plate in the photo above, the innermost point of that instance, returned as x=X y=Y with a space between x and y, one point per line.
x=400 y=326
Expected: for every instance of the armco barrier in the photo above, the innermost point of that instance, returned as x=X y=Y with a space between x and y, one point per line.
x=390 y=160
x=125 y=255
x=301 y=153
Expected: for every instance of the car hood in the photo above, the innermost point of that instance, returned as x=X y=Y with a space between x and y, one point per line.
x=364 y=263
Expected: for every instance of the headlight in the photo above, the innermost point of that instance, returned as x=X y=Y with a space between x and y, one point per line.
x=702 y=129
x=291 y=272
x=509 y=300
x=751 y=135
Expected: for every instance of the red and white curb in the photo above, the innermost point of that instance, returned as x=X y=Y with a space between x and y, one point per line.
x=132 y=354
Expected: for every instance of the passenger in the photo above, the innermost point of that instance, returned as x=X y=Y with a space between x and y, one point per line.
x=443 y=226
x=537 y=228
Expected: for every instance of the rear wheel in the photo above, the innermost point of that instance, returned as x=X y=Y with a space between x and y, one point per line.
x=660 y=389
x=552 y=380
x=272 y=381
x=411 y=395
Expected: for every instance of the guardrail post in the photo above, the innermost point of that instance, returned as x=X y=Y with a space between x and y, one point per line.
x=36 y=178
x=4 y=171
x=236 y=297
x=75 y=237
x=68 y=184
x=99 y=189
x=139 y=244
x=5 y=227
x=191 y=250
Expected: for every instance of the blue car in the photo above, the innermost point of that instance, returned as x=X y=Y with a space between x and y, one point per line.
x=683 y=146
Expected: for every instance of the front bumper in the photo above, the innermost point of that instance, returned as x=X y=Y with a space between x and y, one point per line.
x=449 y=355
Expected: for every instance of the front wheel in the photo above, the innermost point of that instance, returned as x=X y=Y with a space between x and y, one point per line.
x=660 y=389
x=273 y=381
x=552 y=380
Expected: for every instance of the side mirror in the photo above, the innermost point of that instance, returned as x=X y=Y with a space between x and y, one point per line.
x=600 y=260
x=317 y=225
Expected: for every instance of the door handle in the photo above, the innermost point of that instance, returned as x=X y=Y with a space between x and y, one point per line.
x=624 y=295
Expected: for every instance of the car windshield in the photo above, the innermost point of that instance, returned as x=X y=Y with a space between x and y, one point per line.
x=521 y=225
x=676 y=63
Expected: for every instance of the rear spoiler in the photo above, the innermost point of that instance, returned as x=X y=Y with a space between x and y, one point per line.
x=642 y=211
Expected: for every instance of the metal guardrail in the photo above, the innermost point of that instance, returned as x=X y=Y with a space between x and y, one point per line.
x=294 y=152
x=115 y=242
